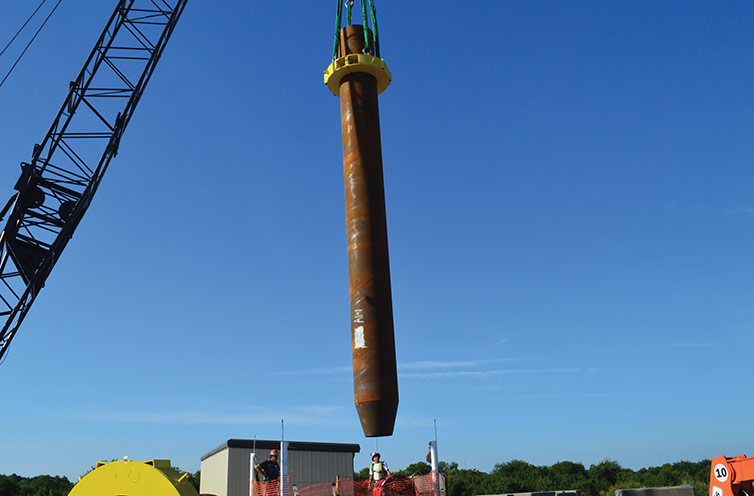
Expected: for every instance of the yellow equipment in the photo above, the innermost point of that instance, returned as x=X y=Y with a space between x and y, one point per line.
x=357 y=62
x=132 y=478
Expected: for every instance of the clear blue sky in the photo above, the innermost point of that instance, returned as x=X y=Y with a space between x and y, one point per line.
x=570 y=200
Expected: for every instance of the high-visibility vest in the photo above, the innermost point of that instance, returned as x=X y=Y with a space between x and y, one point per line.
x=377 y=471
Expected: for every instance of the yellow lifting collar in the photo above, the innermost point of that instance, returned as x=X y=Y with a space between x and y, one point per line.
x=357 y=62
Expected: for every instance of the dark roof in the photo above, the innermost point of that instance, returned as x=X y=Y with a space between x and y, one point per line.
x=266 y=444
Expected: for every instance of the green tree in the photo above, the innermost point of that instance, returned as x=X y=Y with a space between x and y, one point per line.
x=515 y=476
x=567 y=475
x=443 y=467
x=362 y=474
x=603 y=476
x=9 y=485
x=418 y=468
x=601 y=479
x=43 y=485
x=465 y=482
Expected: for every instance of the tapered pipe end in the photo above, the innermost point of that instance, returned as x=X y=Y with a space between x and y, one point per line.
x=377 y=417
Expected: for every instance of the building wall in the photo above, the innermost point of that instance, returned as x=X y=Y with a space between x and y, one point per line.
x=239 y=470
x=226 y=472
x=304 y=468
x=312 y=467
x=214 y=478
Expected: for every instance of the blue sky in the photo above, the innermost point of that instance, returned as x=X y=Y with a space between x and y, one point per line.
x=570 y=211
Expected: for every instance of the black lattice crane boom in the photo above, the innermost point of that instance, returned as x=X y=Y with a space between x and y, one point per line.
x=57 y=186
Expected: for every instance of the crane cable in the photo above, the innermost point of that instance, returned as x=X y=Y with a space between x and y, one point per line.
x=22 y=27
x=5 y=356
x=30 y=41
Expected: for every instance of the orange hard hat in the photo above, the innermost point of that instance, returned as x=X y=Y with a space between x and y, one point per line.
x=274 y=453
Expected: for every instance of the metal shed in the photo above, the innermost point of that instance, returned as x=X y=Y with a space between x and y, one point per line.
x=225 y=469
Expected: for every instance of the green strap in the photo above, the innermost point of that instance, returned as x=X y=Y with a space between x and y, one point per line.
x=367 y=44
x=374 y=29
x=372 y=44
x=338 y=15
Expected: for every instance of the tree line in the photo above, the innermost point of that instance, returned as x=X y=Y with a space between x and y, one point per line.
x=42 y=485
x=602 y=479
x=515 y=476
x=48 y=485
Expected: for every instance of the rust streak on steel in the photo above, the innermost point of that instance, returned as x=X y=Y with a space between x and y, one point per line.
x=375 y=377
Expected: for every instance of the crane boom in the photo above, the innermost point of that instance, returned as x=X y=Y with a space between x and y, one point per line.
x=56 y=187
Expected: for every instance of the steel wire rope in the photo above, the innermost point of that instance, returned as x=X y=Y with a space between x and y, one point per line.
x=22 y=27
x=30 y=42
x=5 y=356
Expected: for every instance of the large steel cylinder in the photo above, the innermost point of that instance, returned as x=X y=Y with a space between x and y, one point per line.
x=375 y=377
x=132 y=478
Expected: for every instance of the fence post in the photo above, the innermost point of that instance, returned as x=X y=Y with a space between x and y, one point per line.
x=435 y=468
x=283 y=468
x=252 y=470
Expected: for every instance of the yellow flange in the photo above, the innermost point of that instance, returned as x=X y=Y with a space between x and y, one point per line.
x=357 y=62
x=132 y=478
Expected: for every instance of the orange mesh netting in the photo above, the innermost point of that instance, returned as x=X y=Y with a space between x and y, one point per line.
x=266 y=488
x=426 y=485
x=395 y=486
x=421 y=485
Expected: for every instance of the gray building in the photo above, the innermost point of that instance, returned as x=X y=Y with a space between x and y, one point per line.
x=226 y=470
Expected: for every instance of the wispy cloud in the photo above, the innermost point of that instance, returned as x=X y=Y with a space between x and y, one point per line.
x=311 y=415
x=565 y=396
x=434 y=369
x=713 y=209
x=441 y=364
x=419 y=365
x=489 y=373
x=407 y=421
x=320 y=371
x=739 y=211
x=688 y=345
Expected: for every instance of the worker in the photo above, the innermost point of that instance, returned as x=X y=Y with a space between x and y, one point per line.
x=378 y=470
x=269 y=469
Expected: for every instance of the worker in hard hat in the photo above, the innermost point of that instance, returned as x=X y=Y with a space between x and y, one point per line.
x=378 y=470
x=269 y=469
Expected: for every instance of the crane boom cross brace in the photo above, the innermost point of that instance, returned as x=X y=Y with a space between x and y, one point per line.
x=56 y=187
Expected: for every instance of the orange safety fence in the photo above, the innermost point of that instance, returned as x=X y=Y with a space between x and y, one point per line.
x=427 y=485
x=420 y=485
x=266 y=488
x=322 y=489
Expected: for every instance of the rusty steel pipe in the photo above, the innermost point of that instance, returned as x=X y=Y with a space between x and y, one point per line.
x=375 y=377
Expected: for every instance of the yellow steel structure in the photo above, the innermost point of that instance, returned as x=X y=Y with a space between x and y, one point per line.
x=357 y=62
x=132 y=478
